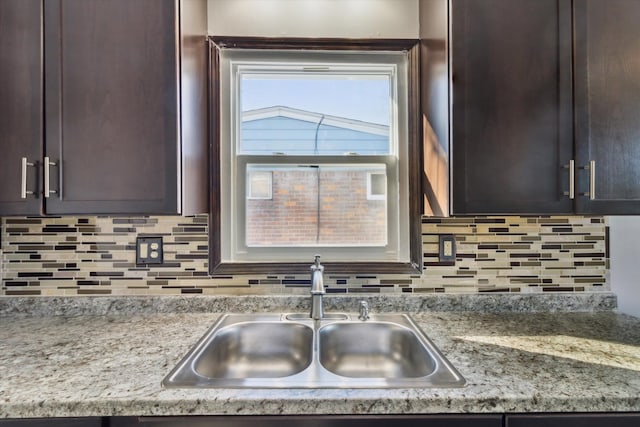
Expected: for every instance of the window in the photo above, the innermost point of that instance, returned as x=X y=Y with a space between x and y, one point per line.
x=376 y=186
x=260 y=184
x=313 y=157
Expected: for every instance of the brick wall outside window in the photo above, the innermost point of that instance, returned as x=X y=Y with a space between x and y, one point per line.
x=294 y=216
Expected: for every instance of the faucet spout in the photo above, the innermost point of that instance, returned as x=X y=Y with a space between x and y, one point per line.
x=317 y=289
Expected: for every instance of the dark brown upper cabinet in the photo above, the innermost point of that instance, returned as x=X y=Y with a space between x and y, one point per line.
x=607 y=107
x=511 y=121
x=123 y=106
x=546 y=100
x=21 y=105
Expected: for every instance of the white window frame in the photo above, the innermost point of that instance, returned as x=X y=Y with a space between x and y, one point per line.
x=233 y=164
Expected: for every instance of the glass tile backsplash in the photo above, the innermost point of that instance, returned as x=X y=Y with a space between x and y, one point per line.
x=94 y=255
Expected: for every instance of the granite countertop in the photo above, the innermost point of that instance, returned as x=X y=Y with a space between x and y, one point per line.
x=112 y=364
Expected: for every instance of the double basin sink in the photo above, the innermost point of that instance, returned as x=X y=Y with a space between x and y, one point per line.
x=294 y=351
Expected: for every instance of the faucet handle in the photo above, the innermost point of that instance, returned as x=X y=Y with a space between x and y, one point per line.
x=316 y=264
x=364 y=311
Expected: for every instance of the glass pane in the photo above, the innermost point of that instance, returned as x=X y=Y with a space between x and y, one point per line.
x=317 y=206
x=259 y=185
x=378 y=184
x=298 y=113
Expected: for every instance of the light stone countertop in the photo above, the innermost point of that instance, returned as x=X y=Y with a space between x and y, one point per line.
x=100 y=365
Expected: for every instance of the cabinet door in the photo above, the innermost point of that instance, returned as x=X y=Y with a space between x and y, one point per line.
x=111 y=106
x=512 y=124
x=20 y=104
x=312 y=421
x=52 y=422
x=607 y=93
x=573 y=420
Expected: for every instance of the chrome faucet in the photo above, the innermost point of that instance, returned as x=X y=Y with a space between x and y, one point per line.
x=317 y=289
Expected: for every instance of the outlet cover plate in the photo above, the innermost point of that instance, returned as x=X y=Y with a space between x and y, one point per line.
x=447 y=248
x=149 y=250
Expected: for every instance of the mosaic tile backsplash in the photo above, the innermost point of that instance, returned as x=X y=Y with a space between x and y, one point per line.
x=91 y=255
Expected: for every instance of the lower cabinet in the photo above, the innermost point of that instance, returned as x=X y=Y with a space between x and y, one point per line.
x=53 y=422
x=313 y=421
x=453 y=420
x=573 y=420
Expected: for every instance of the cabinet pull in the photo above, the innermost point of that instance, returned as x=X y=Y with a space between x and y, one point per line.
x=47 y=177
x=572 y=179
x=591 y=167
x=592 y=180
x=23 y=180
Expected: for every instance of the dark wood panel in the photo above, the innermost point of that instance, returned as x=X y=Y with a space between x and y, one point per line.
x=20 y=102
x=319 y=43
x=573 y=420
x=111 y=78
x=607 y=84
x=315 y=421
x=512 y=112
x=53 y=422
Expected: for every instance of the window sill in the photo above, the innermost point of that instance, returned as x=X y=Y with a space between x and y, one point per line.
x=331 y=268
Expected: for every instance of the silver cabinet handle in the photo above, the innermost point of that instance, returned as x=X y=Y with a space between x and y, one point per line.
x=572 y=179
x=591 y=167
x=23 y=180
x=592 y=180
x=47 y=177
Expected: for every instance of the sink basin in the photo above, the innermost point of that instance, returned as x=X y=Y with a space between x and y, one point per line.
x=256 y=350
x=373 y=349
x=294 y=351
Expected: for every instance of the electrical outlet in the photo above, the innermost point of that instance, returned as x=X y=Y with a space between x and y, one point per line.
x=149 y=250
x=447 y=248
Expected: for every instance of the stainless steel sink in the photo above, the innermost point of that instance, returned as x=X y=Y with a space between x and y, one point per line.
x=256 y=350
x=373 y=350
x=294 y=351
